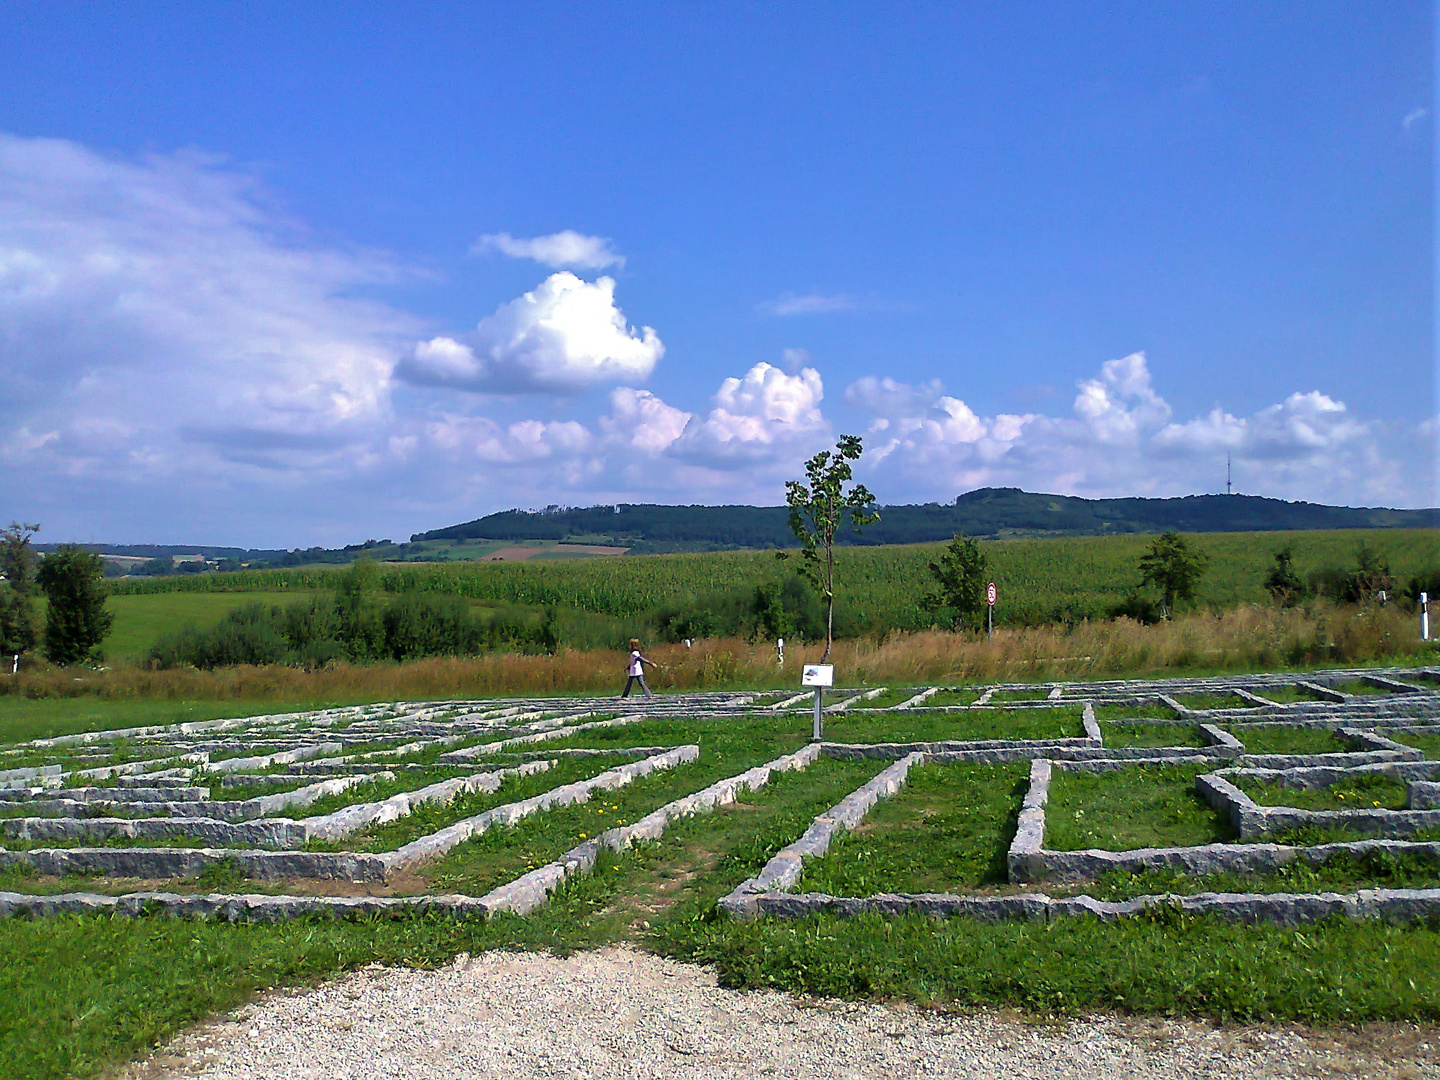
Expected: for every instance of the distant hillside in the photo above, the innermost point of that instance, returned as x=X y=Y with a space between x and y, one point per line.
x=986 y=512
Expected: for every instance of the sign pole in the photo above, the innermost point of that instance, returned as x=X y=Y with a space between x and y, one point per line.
x=990 y=597
x=1424 y=616
x=819 y=676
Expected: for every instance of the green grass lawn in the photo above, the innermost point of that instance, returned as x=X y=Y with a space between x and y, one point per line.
x=1130 y=808
x=1363 y=792
x=947 y=830
x=960 y=696
x=1139 y=733
x=23 y=718
x=1291 y=740
x=1288 y=693
x=1362 y=688
x=1428 y=743
x=1214 y=701
x=892 y=696
x=1343 y=873
x=918 y=725
x=1038 y=694
x=1155 y=709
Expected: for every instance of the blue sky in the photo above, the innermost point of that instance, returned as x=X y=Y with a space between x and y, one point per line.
x=292 y=274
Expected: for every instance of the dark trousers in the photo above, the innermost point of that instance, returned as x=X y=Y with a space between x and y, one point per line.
x=631 y=682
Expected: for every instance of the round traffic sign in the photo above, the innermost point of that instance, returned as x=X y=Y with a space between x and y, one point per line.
x=990 y=594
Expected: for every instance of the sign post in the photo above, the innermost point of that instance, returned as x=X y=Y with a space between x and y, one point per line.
x=990 y=597
x=1424 y=616
x=819 y=676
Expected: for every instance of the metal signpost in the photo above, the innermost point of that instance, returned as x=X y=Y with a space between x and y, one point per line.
x=990 y=597
x=819 y=676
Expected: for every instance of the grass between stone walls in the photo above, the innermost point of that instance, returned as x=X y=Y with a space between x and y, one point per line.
x=1131 y=808
x=1291 y=740
x=946 y=831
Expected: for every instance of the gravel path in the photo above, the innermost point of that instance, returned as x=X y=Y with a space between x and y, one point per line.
x=621 y=1013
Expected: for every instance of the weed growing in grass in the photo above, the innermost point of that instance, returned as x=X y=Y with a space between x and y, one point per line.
x=947 y=830
x=1360 y=792
x=1282 y=739
x=1131 y=808
x=1139 y=733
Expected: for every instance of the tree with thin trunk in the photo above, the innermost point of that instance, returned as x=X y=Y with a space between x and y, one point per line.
x=958 y=598
x=76 y=621
x=1174 y=566
x=818 y=508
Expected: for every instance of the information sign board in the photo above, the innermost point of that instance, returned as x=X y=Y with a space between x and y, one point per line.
x=818 y=675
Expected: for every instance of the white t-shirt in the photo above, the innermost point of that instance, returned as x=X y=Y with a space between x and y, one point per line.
x=635 y=668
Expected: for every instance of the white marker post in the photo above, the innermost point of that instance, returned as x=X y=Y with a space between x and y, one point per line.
x=990 y=597
x=1424 y=616
x=780 y=651
x=819 y=676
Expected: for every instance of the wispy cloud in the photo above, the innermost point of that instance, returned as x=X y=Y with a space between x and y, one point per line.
x=807 y=304
x=557 y=250
x=1414 y=116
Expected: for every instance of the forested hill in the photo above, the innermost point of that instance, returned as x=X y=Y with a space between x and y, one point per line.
x=987 y=512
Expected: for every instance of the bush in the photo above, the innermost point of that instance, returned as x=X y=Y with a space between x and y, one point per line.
x=351 y=627
x=788 y=609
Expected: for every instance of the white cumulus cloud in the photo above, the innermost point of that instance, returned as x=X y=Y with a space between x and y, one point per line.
x=1120 y=439
x=561 y=249
x=159 y=320
x=640 y=420
x=763 y=415
x=565 y=335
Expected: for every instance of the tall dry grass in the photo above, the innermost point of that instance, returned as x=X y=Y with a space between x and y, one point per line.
x=1243 y=639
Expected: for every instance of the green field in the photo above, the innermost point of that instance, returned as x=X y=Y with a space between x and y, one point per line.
x=142 y=619
x=1038 y=580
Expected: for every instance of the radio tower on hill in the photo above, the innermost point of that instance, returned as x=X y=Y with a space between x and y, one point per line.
x=1228 y=490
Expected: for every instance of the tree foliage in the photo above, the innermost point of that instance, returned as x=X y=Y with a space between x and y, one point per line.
x=958 y=597
x=76 y=621
x=1174 y=566
x=18 y=622
x=817 y=510
x=1283 y=583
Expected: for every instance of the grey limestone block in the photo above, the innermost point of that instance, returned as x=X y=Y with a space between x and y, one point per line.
x=1023 y=859
x=1422 y=795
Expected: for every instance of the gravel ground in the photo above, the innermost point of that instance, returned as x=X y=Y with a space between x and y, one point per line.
x=622 y=1013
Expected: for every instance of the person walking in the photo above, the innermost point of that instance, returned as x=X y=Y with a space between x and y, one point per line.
x=636 y=670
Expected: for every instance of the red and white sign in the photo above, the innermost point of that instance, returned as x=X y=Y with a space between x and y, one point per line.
x=990 y=594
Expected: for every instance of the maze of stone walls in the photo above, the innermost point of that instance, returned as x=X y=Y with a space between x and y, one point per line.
x=178 y=802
